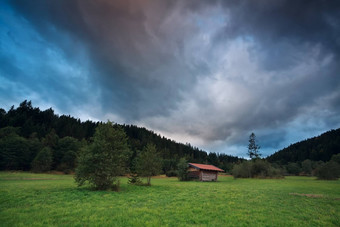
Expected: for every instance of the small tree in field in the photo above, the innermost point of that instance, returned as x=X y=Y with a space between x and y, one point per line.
x=182 y=170
x=105 y=159
x=253 y=148
x=148 y=163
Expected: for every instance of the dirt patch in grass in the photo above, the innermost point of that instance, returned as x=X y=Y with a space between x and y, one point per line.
x=161 y=177
x=307 y=195
x=224 y=175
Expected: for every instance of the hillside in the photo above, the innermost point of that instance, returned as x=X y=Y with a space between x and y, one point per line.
x=319 y=148
x=28 y=129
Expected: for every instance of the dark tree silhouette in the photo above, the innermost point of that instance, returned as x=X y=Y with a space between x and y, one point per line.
x=253 y=148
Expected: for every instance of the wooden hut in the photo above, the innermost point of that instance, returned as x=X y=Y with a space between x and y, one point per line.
x=203 y=172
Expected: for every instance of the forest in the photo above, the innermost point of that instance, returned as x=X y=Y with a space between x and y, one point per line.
x=27 y=131
x=28 y=134
x=319 y=148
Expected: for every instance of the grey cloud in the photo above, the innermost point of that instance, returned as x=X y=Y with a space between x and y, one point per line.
x=124 y=53
x=269 y=63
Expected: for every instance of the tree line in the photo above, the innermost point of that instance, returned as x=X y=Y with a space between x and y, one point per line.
x=29 y=135
x=285 y=162
x=317 y=156
x=319 y=148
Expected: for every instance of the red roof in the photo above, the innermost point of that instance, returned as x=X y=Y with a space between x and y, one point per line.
x=205 y=167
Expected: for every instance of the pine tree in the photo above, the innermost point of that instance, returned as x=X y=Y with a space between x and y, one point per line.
x=253 y=148
x=182 y=167
x=148 y=163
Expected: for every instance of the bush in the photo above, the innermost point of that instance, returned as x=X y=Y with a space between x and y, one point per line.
x=171 y=173
x=134 y=179
x=329 y=171
x=256 y=169
x=293 y=168
x=242 y=170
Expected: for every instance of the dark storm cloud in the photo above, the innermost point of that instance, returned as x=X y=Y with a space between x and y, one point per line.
x=135 y=59
x=207 y=72
x=284 y=31
x=285 y=24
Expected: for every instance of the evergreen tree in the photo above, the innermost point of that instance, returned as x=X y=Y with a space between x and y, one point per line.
x=15 y=151
x=66 y=153
x=105 y=159
x=253 y=148
x=43 y=161
x=182 y=169
x=148 y=162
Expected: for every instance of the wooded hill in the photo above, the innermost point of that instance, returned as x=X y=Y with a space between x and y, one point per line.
x=26 y=130
x=319 y=148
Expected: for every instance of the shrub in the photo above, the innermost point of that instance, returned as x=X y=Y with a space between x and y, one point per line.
x=134 y=179
x=256 y=169
x=306 y=166
x=293 y=168
x=329 y=171
x=182 y=172
x=171 y=173
x=242 y=170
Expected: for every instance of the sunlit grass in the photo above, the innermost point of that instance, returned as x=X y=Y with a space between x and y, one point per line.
x=44 y=199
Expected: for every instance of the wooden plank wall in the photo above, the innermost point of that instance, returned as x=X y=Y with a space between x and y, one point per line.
x=208 y=175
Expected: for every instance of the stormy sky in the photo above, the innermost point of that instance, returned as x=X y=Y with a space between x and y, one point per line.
x=204 y=72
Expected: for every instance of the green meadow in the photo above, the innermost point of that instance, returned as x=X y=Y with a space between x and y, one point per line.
x=28 y=199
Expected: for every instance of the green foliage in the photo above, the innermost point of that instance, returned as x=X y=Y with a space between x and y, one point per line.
x=242 y=170
x=51 y=140
x=16 y=153
x=148 y=163
x=182 y=170
x=307 y=167
x=66 y=153
x=47 y=129
x=169 y=166
x=256 y=169
x=293 y=168
x=105 y=159
x=171 y=173
x=43 y=161
x=329 y=171
x=134 y=179
x=336 y=158
x=253 y=148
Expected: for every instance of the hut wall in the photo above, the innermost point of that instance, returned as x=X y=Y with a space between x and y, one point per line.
x=194 y=174
x=208 y=175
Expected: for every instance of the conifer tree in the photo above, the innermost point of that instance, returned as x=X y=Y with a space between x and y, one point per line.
x=253 y=148
x=148 y=162
x=105 y=159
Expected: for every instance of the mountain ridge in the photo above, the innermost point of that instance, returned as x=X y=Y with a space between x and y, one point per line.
x=318 y=148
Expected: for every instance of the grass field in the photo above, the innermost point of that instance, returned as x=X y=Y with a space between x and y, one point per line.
x=45 y=199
